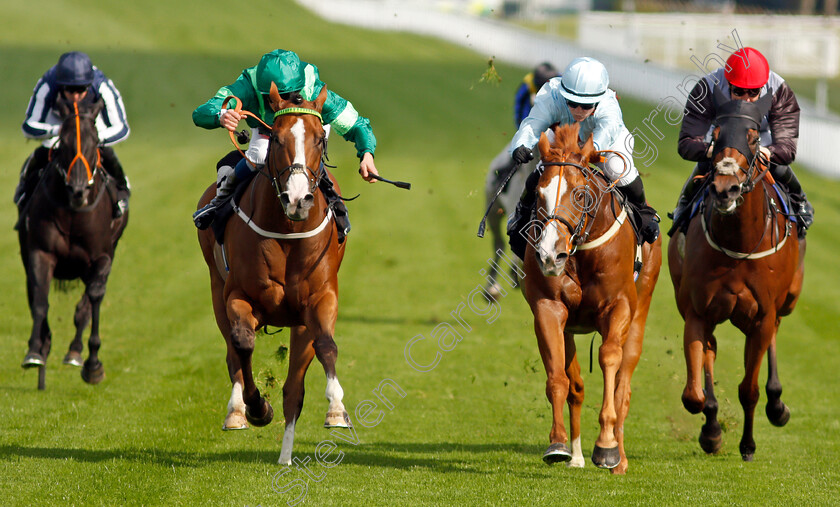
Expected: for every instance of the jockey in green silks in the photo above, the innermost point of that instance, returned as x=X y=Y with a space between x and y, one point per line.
x=295 y=80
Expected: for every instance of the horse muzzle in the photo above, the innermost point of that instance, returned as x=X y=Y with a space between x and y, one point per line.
x=551 y=263
x=298 y=209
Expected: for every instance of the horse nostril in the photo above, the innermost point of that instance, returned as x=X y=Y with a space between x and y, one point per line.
x=284 y=198
x=308 y=198
x=733 y=189
x=561 y=257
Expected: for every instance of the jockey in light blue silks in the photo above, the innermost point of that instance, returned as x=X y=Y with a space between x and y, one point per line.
x=295 y=80
x=581 y=95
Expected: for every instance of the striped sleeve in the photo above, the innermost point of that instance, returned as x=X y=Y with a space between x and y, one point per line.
x=39 y=123
x=111 y=122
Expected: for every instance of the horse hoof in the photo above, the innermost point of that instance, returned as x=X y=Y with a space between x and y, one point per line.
x=776 y=417
x=93 y=375
x=710 y=443
x=557 y=453
x=338 y=420
x=235 y=421
x=606 y=458
x=260 y=421
x=73 y=358
x=32 y=360
x=747 y=457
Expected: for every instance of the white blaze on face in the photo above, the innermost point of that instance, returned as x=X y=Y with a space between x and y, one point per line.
x=298 y=184
x=552 y=194
x=727 y=167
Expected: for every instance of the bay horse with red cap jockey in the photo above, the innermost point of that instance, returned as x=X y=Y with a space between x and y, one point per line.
x=579 y=278
x=739 y=261
x=68 y=232
x=278 y=266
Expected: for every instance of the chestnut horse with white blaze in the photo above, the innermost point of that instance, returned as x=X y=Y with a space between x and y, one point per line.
x=579 y=278
x=740 y=261
x=282 y=254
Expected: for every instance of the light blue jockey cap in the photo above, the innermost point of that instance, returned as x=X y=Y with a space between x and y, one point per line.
x=584 y=81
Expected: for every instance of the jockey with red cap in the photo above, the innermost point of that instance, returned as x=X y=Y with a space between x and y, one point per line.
x=746 y=76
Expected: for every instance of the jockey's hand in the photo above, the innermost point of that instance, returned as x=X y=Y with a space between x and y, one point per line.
x=367 y=167
x=230 y=119
x=764 y=153
x=522 y=155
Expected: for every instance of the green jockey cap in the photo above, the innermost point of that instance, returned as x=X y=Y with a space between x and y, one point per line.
x=282 y=67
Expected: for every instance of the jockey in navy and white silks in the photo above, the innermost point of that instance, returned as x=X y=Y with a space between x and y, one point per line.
x=581 y=95
x=75 y=77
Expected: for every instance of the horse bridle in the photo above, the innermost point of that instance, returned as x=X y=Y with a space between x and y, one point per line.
x=749 y=184
x=314 y=175
x=79 y=155
x=575 y=230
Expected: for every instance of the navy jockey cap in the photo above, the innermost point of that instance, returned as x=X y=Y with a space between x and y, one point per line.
x=74 y=69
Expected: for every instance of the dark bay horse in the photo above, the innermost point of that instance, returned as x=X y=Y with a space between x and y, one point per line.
x=740 y=261
x=282 y=256
x=578 y=279
x=67 y=232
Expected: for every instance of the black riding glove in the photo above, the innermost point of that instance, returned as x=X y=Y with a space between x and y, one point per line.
x=522 y=155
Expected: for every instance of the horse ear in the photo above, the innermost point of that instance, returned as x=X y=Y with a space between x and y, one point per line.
x=63 y=106
x=321 y=98
x=588 y=150
x=764 y=103
x=544 y=145
x=274 y=98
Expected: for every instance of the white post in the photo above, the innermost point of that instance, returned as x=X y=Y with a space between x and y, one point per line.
x=822 y=96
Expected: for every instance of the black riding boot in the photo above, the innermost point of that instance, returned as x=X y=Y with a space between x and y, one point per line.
x=801 y=207
x=635 y=193
x=30 y=174
x=681 y=213
x=112 y=166
x=334 y=201
x=522 y=215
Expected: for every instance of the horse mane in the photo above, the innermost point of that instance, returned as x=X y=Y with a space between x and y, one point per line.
x=566 y=141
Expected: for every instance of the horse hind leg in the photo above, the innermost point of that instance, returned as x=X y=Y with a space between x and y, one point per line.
x=301 y=353
x=80 y=319
x=710 y=432
x=777 y=412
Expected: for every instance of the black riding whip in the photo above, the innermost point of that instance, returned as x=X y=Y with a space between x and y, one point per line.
x=482 y=225
x=399 y=184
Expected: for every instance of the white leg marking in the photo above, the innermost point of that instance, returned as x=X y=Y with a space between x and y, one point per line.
x=334 y=394
x=288 y=443
x=577 y=460
x=236 y=403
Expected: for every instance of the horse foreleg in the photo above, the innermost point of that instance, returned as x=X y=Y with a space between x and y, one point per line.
x=758 y=340
x=695 y=337
x=80 y=319
x=575 y=400
x=258 y=411
x=777 y=412
x=320 y=322
x=38 y=277
x=710 y=432
x=301 y=353
x=93 y=372
x=549 y=321
x=494 y=221
x=614 y=326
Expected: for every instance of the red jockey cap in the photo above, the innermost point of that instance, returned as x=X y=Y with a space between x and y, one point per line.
x=747 y=68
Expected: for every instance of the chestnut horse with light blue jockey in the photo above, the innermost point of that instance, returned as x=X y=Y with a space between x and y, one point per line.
x=579 y=278
x=278 y=266
x=740 y=260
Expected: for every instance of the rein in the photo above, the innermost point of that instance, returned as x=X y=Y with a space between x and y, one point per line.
x=79 y=154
